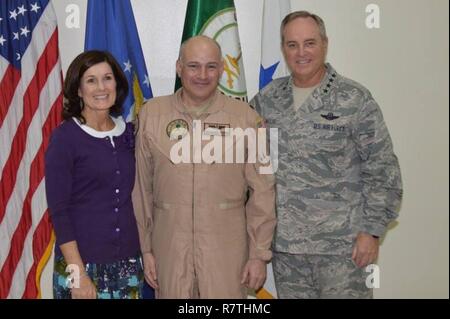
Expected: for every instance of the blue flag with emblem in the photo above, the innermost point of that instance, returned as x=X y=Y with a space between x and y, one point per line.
x=110 y=26
x=272 y=62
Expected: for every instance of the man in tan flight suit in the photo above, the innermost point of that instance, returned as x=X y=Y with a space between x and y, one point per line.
x=200 y=235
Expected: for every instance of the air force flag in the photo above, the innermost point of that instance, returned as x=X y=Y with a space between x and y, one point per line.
x=272 y=62
x=111 y=26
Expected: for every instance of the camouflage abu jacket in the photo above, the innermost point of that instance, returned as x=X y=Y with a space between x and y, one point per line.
x=337 y=172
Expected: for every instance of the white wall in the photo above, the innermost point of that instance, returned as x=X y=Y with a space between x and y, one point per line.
x=405 y=65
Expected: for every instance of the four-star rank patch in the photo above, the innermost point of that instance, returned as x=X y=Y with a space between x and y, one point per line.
x=177 y=129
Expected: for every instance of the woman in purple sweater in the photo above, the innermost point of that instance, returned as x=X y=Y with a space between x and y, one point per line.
x=90 y=167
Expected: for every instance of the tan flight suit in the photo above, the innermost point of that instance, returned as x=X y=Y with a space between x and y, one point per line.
x=195 y=217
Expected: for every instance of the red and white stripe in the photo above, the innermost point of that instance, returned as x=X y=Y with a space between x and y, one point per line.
x=34 y=98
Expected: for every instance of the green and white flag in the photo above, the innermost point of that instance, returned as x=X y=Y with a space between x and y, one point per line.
x=217 y=20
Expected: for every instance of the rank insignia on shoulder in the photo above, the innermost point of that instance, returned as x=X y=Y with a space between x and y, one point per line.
x=330 y=116
x=177 y=129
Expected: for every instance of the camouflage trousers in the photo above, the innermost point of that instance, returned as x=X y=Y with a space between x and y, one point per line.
x=122 y=279
x=301 y=276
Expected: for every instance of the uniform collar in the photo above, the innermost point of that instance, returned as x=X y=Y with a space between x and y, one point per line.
x=216 y=106
x=329 y=81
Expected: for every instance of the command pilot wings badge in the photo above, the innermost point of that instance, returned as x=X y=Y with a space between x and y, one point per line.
x=330 y=116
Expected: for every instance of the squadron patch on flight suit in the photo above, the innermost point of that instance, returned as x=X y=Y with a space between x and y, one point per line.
x=177 y=129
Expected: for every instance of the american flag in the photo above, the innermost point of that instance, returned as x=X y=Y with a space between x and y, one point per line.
x=30 y=107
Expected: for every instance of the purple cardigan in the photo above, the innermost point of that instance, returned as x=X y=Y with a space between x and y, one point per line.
x=88 y=185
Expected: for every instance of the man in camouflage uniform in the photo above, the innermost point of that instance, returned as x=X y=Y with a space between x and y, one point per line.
x=338 y=179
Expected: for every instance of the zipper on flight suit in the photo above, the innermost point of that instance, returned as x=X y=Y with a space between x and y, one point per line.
x=193 y=197
x=193 y=220
x=193 y=206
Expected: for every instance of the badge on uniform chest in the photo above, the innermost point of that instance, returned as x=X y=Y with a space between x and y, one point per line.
x=215 y=128
x=330 y=123
x=330 y=116
x=177 y=129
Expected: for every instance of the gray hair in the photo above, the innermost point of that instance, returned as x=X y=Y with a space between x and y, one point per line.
x=303 y=14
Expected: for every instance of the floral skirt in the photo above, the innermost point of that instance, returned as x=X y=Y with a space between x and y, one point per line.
x=122 y=279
